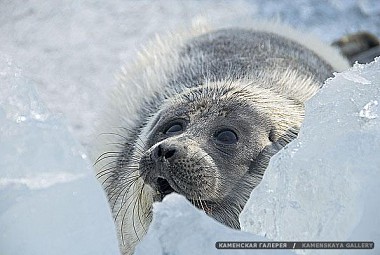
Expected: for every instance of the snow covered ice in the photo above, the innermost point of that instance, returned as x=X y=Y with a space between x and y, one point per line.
x=50 y=201
x=325 y=185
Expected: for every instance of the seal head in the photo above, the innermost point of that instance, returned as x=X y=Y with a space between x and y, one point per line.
x=212 y=145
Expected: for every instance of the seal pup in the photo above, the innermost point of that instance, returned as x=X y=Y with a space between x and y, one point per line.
x=200 y=113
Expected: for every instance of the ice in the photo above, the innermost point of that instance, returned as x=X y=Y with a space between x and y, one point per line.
x=50 y=200
x=179 y=228
x=355 y=77
x=370 y=110
x=325 y=185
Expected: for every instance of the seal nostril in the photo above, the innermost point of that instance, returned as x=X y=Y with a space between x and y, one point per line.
x=162 y=152
x=169 y=153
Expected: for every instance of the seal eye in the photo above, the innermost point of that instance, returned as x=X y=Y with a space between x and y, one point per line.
x=226 y=136
x=174 y=129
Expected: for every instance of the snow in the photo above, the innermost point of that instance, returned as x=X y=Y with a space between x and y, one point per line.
x=180 y=228
x=325 y=184
x=51 y=202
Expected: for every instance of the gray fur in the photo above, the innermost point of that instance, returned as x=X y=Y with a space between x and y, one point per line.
x=237 y=53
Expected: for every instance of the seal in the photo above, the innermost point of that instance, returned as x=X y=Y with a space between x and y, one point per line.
x=201 y=113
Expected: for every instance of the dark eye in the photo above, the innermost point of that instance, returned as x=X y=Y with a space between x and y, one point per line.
x=174 y=129
x=226 y=136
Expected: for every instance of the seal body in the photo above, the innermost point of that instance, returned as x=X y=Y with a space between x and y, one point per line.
x=201 y=113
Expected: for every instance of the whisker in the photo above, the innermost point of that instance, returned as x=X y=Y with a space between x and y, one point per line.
x=102 y=156
x=138 y=211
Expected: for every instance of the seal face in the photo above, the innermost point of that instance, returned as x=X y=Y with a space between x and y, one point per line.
x=202 y=148
x=203 y=119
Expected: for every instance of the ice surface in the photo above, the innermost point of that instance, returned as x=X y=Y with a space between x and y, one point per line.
x=50 y=201
x=325 y=185
x=179 y=228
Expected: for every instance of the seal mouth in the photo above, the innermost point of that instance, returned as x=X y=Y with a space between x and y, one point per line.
x=163 y=187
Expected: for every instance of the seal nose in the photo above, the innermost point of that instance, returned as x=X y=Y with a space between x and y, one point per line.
x=163 y=151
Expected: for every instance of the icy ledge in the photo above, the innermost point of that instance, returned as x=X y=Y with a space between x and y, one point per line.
x=50 y=201
x=325 y=185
